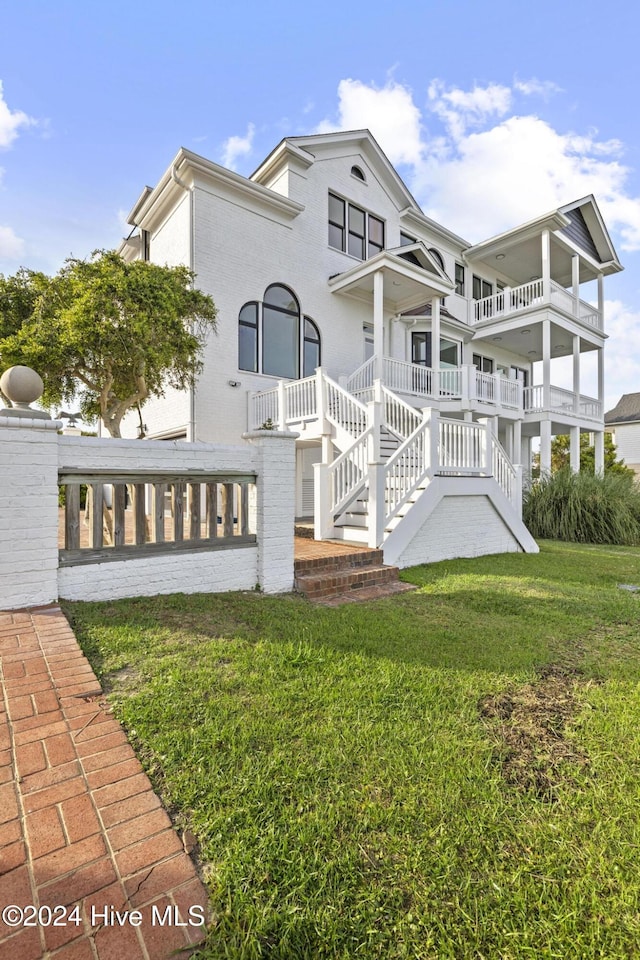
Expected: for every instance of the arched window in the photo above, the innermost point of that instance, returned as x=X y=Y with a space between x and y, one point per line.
x=358 y=174
x=275 y=339
x=437 y=256
x=280 y=333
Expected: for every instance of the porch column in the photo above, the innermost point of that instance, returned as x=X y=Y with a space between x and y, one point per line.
x=435 y=343
x=601 y=299
x=598 y=440
x=525 y=456
x=546 y=266
x=576 y=373
x=574 y=449
x=601 y=379
x=516 y=443
x=545 y=448
x=546 y=364
x=575 y=282
x=378 y=323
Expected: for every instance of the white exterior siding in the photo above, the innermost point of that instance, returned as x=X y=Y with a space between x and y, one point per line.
x=627 y=440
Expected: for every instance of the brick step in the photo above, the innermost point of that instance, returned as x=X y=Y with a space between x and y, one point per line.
x=322 y=585
x=339 y=562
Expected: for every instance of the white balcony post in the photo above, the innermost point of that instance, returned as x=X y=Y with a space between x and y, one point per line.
x=546 y=364
x=468 y=385
x=322 y=519
x=574 y=449
x=377 y=505
x=506 y=300
x=601 y=379
x=487 y=446
x=546 y=266
x=599 y=452
x=250 y=424
x=576 y=373
x=282 y=413
x=601 y=299
x=545 y=448
x=575 y=283
x=378 y=322
x=435 y=343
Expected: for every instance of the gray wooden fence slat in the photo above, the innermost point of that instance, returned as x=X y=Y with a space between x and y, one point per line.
x=178 y=511
x=72 y=516
x=97 y=519
x=195 y=531
x=212 y=510
x=119 y=501
x=158 y=512
x=139 y=514
x=227 y=516
x=243 y=515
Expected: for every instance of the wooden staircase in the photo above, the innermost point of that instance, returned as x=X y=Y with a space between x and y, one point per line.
x=344 y=577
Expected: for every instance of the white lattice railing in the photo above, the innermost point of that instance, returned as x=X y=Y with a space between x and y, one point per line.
x=347 y=474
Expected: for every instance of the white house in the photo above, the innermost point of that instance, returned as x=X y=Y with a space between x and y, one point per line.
x=401 y=354
x=624 y=423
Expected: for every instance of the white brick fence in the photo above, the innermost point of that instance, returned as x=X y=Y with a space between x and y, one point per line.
x=229 y=510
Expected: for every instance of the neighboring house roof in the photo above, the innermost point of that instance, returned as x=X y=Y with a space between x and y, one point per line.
x=627 y=410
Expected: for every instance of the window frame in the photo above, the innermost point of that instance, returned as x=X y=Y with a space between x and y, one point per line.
x=306 y=327
x=352 y=234
x=460 y=278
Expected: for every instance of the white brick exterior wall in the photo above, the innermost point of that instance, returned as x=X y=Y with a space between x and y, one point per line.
x=28 y=512
x=460 y=526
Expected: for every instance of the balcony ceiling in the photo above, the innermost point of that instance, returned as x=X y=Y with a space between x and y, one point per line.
x=521 y=261
x=526 y=341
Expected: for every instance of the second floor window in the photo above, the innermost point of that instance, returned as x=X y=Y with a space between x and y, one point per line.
x=353 y=230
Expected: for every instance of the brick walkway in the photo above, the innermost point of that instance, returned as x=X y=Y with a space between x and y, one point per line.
x=80 y=826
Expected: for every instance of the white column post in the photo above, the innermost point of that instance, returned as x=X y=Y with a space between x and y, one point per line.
x=282 y=413
x=435 y=343
x=378 y=322
x=546 y=266
x=575 y=283
x=576 y=373
x=546 y=364
x=517 y=441
x=322 y=520
x=487 y=450
x=574 y=449
x=599 y=452
x=601 y=379
x=377 y=505
x=431 y=416
x=601 y=299
x=545 y=448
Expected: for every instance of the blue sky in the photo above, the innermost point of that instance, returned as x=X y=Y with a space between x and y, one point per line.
x=492 y=113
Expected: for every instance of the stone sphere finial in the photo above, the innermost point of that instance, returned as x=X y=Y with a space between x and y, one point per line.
x=22 y=386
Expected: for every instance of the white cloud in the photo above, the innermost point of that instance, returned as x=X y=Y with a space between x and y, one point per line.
x=11 y=245
x=623 y=328
x=388 y=112
x=11 y=122
x=479 y=166
x=236 y=147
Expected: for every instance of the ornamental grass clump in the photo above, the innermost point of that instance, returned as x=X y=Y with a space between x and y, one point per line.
x=584 y=508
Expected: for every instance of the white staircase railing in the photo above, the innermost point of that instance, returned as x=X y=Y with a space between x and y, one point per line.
x=399 y=417
x=463 y=447
x=507 y=475
x=408 y=467
x=362 y=378
x=342 y=409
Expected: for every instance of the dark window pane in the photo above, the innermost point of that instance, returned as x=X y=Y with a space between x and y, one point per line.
x=280 y=349
x=336 y=237
x=356 y=220
x=336 y=210
x=421 y=348
x=282 y=297
x=448 y=353
x=247 y=348
x=405 y=239
x=356 y=246
x=311 y=358
x=460 y=279
x=477 y=288
x=437 y=257
x=376 y=232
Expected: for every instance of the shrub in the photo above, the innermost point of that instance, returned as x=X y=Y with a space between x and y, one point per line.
x=584 y=508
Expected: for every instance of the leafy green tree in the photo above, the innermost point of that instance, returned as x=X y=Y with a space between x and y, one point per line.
x=108 y=332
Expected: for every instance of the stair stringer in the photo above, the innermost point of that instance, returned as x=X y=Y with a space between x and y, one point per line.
x=413 y=522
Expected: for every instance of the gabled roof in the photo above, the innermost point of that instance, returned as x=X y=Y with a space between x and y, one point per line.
x=587 y=230
x=627 y=409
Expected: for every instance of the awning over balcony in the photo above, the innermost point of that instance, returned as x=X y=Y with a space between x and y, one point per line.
x=410 y=276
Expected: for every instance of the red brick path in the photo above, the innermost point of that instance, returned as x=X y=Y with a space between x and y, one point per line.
x=80 y=825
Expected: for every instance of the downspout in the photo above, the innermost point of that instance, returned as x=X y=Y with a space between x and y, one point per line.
x=192 y=389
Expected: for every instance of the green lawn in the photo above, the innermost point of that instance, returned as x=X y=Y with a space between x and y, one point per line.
x=451 y=773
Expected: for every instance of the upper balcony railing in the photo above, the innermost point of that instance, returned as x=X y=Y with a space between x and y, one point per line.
x=514 y=300
x=561 y=401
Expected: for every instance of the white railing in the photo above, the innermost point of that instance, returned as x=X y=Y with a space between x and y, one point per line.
x=399 y=417
x=363 y=377
x=462 y=447
x=510 y=300
x=506 y=475
x=407 y=468
x=410 y=378
x=301 y=400
x=561 y=401
x=487 y=389
x=587 y=312
x=342 y=409
x=347 y=474
x=263 y=408
x=510 y=393
x=450 y=383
